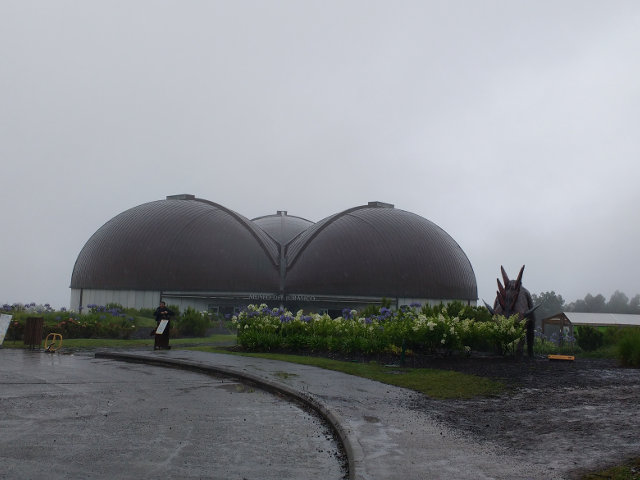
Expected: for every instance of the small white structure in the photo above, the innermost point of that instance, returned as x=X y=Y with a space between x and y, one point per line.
x=565 y=321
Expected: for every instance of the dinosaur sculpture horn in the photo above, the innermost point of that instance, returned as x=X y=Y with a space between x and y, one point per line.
x=500 y=299
x=517 y=289
x=505 y=277
x=491 y=310
x=519 y=280
x=501 y=288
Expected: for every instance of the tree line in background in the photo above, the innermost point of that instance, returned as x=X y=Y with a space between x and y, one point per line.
x=552 y=303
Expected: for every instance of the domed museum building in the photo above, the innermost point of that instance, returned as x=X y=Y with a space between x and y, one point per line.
x=192 y=252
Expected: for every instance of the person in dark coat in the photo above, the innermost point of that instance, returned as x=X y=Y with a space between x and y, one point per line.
x=162 y=339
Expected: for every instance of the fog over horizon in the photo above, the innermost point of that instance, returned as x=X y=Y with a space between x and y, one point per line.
x=512 y=126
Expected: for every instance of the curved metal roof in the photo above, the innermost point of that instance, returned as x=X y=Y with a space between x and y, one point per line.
x=188 y=244
x=376 y=250
x=282 y=227
x=178 y=244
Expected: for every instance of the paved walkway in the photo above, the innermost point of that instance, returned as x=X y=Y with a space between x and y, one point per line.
x=385 y=439
x=74 y=416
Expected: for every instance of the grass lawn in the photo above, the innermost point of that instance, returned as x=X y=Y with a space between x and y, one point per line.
x=628 y=471
x=441 y=384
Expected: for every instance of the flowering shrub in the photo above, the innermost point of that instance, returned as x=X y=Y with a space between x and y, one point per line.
x=505 y=333
x=264 y=329
x=100 y=322
x=193 y=323
x=15 y=330
x=27 y=308
x=87 y=326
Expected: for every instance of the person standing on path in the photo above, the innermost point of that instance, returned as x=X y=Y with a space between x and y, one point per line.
x=162 y=339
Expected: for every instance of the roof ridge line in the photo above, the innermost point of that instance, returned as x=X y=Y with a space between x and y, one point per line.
x=251 y=227
x=321 y=225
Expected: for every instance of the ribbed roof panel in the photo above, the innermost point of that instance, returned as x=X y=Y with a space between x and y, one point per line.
x=282 y=227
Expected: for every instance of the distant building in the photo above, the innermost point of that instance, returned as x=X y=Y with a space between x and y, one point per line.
x=192 y=252
x=566 y=321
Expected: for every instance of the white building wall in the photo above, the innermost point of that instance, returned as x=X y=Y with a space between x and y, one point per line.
x=430 y=301
x=75 y=299
x=199 y=304
x=151 y=298
x=80 y=298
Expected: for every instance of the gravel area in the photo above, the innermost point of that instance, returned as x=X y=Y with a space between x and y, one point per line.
x=570 y=415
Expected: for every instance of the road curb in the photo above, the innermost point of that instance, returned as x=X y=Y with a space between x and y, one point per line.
x=353 y=458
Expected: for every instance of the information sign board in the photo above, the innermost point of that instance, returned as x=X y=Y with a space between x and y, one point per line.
x=5 y=320
x=161 y=327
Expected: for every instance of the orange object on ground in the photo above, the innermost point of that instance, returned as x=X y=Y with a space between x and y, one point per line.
x=570 y=358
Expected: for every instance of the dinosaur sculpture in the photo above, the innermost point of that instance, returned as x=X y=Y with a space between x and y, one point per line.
x=514 y=299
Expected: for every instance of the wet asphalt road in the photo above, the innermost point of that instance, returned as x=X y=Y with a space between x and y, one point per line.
x=78 y=417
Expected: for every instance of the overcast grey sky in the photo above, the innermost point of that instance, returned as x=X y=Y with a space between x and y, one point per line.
x=514 y=126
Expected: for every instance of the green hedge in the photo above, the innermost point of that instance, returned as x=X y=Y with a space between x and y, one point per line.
x=628 y=348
